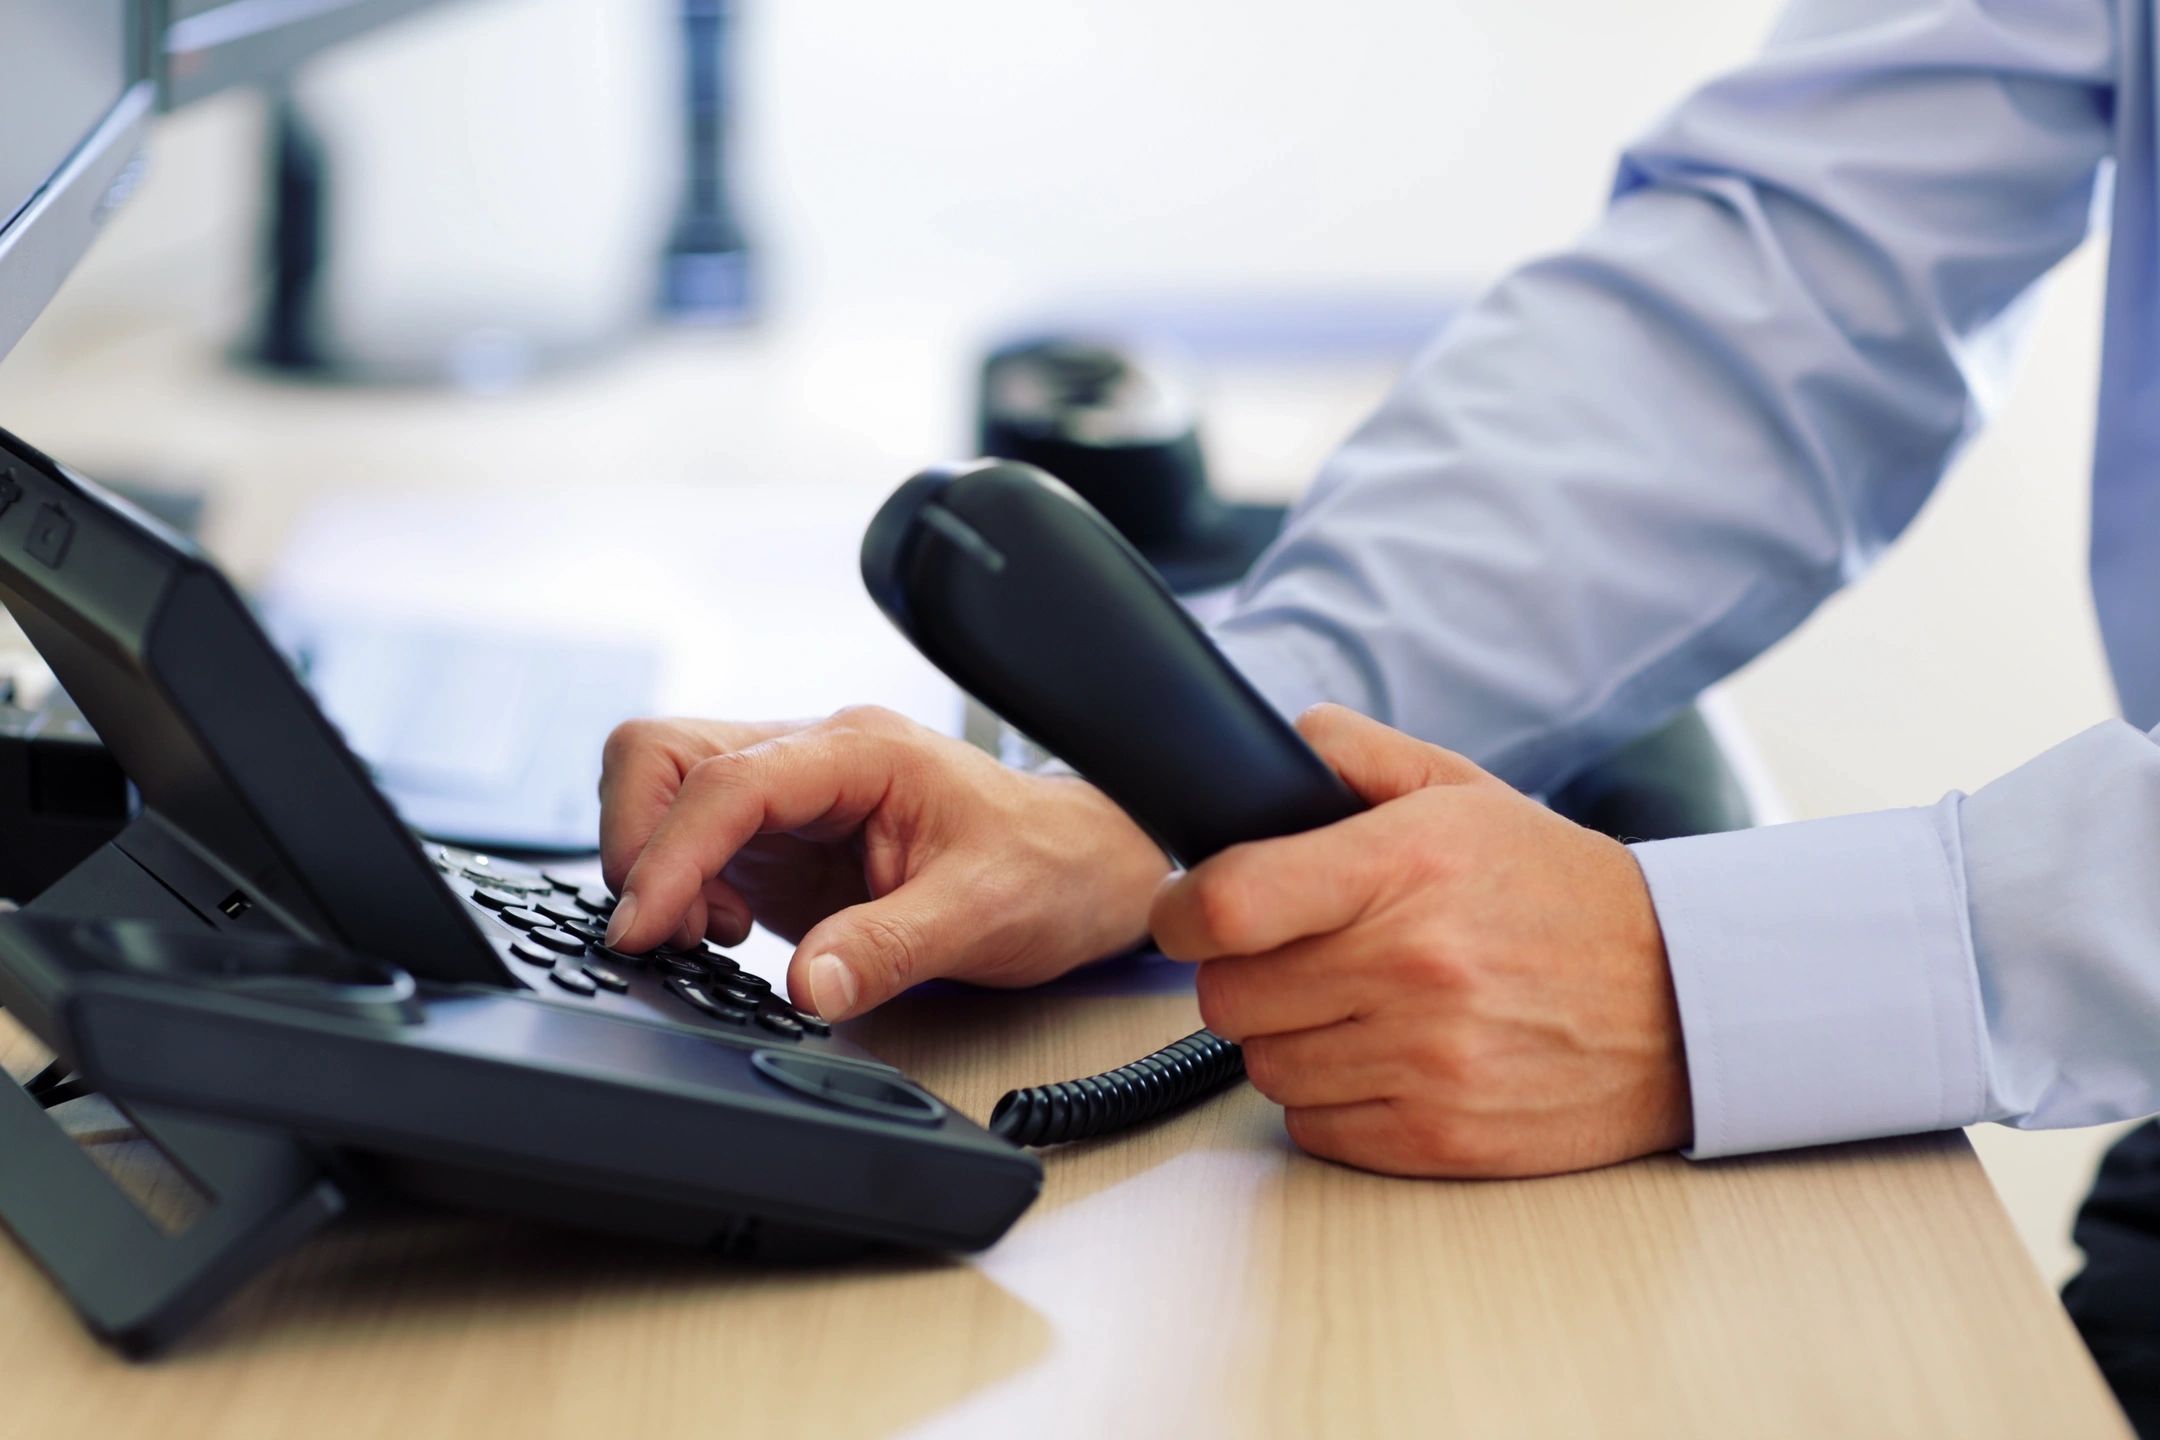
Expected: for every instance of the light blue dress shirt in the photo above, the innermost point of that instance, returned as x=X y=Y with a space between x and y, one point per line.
x=1637 y=463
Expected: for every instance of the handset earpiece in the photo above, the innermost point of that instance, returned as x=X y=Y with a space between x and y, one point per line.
x=1028 y=599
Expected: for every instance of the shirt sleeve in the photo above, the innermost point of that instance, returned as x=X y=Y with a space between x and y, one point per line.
x=1991 y=958
x=1635 y=464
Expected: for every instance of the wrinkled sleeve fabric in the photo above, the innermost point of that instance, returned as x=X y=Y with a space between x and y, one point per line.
x=1635 y=464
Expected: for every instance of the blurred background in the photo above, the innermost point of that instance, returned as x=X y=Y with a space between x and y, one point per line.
x=496 y=423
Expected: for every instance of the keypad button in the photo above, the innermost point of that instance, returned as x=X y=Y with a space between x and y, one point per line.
x=562 y=940
x=815 y=1024
x=496 y=899
x=678 y=965
x=562 y=911
x=572 y=977
x=513 y=870
x=533 y=954
x=507 y=880
x=596 y=900
x=526 y=919
x=593 y=931
x=607 y=979
x=624 y=957
x=569 y=885
x=714 y=962
x=696 y=995
x=780 y=1022
x=736 y=993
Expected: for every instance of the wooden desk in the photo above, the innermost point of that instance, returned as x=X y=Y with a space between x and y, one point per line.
x=1198 y=1279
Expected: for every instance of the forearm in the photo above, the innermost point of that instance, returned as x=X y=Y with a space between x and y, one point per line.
x=1637 y=463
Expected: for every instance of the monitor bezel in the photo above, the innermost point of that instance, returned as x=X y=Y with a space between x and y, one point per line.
x=246 y=42
x=44 y=242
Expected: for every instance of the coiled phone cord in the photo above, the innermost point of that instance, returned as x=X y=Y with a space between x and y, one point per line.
x=1176 y=1075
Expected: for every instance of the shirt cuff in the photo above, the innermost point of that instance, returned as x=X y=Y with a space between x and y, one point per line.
x=1825 y=977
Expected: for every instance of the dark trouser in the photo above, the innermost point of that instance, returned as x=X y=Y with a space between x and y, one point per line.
x=2115 y=1300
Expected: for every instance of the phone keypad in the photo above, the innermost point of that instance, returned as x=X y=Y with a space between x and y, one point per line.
x=559 y=925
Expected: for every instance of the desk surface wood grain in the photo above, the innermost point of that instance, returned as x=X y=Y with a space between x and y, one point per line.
x=1200 y=1278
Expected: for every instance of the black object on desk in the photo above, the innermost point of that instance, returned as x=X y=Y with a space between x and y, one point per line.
x=294 y=999
x=61 y=795
x=1123 y=432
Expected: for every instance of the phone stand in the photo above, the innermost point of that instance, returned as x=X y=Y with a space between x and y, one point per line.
x=136 y=1286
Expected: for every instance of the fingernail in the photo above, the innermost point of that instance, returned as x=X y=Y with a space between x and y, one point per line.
x=618 y=923
x=737 y=925
x=832 y=987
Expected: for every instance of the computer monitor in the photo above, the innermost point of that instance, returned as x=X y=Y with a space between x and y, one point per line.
x=76 y=95
x=79 y=81
x=210 y=45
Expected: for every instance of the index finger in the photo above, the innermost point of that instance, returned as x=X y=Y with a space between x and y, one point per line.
x=787 y=783
x=642 y=767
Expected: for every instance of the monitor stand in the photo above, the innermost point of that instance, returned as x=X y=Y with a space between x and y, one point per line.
x=136 y=1285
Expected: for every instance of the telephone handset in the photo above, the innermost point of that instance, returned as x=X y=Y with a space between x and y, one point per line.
x=1027 y=598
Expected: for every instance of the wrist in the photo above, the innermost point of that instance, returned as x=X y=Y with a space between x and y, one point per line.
x=1122 y=864
x=1667 y=1111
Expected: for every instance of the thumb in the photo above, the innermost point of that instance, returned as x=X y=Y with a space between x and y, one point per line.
x=858 y=958
x=1379 y=762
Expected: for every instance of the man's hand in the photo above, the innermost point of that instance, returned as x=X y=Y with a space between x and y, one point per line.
x=889 y=853
x=1457 y=982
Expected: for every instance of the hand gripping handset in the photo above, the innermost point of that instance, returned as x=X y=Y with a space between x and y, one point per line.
x=1029 y=600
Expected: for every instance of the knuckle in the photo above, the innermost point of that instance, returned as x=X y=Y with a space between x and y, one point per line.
x=868 y=719
x=1267 y=1068
x=1435 y=962
x=898 y=946
x=1455 y=1144
x=1216 y=986
x=1427 y=858
x=1306 y=1133
x=1311 y=1132
x=1448 y=1059
x=718 y=772
x=1223 y=907
x=627 y=739
x=1438 y=1140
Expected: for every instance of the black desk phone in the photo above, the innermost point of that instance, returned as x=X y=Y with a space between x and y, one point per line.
x=297 y=1000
